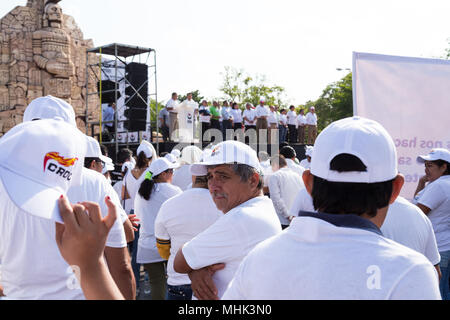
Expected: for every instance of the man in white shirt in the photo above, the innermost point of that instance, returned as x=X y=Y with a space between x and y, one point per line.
x=311 y=124
x=290 y=155
x=283 y=125
x=249 y=116
x=292 y=124
x=352 y=185
x=205 y=120
x=301 y=125
x=273 y=125
x=261 y=119
x=171 y=107
x=248 y=219
x=179 y=220
x=284 y=185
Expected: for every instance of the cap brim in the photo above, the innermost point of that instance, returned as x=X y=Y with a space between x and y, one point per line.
x=32 y=197
x=199 y=169
x=422 y=159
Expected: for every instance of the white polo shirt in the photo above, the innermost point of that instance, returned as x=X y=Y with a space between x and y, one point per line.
x=237 y=115
x=273 y=118
x=315 y=259
x=305 y=164
x=147 y=211
x=179 y=220
x=283 y=120
x=295 y=167
x=32 y=266
x=301 y=120
x=436 y=196
x=406 y=224
x=262 y=111
x=231 y=237
x=172 y=104
x=284 y=185
x=182 y=177
x=250 y=115
x=292 y=118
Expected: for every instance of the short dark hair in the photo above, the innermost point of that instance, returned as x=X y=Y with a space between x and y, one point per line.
x=88 y=161
x=124 y=155
x=440 y=163
x=280 y=160
x=288 y=152
x=350 y=198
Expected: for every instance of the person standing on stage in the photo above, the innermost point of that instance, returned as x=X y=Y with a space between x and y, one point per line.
x=292 y=124
x=173 y=123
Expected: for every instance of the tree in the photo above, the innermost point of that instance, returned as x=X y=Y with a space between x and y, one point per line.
x=335 y=103
x=243 y=88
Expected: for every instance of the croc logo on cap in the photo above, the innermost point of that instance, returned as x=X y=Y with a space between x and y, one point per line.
x=65 y=162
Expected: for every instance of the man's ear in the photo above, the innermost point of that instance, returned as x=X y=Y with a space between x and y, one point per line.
x=397 y=186
x=308 y=180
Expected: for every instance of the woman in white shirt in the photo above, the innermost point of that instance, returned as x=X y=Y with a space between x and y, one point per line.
x=153 y=192
x=237 y=117
x=434 y=200
x=292 y=124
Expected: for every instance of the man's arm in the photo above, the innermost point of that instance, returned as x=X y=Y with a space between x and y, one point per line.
x=277 y=199
x=119 y=264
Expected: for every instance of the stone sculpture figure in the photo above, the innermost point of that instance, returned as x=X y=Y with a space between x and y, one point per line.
x=51 y=46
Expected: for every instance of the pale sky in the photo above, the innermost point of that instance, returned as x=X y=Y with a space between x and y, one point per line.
x=296 y=44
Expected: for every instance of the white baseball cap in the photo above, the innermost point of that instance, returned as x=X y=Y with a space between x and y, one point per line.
x=93 y=148
x=171 y=158
x=39 y=161
x=160 y=165
x=109 y=164
x=191 y=154
x=128 y=165
x=309 y=151
x=362 y=138
x=435 y=154
x=50 y=107
x=147 y=148
x=176 y=153
x=227 y=152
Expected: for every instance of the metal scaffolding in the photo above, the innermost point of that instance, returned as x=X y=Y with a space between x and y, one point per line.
x=125 y=54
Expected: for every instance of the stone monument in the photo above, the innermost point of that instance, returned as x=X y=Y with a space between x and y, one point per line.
x=42 y=52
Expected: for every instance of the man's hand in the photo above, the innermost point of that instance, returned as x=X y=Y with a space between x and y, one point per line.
x=202 y=284
x=81 y=239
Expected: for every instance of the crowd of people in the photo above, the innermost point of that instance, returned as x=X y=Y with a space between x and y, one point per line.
x=225 y=115
x=225 y=222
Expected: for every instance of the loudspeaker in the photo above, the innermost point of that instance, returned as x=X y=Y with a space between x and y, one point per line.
x=137 y=76
x=137 y=119
x=108 y=91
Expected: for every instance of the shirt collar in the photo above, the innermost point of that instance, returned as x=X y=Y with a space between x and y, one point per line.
x=344 y=220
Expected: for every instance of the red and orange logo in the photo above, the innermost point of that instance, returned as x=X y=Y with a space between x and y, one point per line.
x=66 y=162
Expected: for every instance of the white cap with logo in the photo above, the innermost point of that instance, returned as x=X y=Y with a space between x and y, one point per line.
x=435 y=154
x=147 y=148
x=160 y=165
x=38 y=163
x=363 y=138
x=50 y=107
x=227 y=152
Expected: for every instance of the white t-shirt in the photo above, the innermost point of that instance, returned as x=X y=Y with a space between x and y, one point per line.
x=132 y=186
x=95 y=188
x=292 y=118
x=230 y=239
x=283 y=120
x=302 y=202
x=32 y=267
x=311 y=119
x=182 y=177
x=436 y=196
x=250 y=115
x=406 y=224
x=284 y=186
x=147 y=211
x=273 y=117
x=305 y=164
x=316 y=260
x=179 y=220
x=127 y=205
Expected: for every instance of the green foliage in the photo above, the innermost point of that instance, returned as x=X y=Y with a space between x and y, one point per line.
x=243 y=88
x=196 y=96
x=335 y=103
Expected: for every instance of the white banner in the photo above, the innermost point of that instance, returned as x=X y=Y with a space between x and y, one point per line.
x=410 y=97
